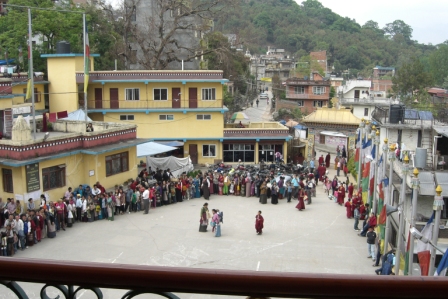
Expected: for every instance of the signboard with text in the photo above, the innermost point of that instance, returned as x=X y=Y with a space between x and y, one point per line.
x=32 y=177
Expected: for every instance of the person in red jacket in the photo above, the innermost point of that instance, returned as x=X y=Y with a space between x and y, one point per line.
x=371 y=223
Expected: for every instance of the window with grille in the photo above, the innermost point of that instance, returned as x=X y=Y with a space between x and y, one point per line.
x=160 y=94
x=299 y=89
x=203 y=117
x=319 y=90
x=7 y=180
x=117 y=163
x=132 y=94
x=166 y=117
x=53 y=177
x=209 y=150
x=208 y=94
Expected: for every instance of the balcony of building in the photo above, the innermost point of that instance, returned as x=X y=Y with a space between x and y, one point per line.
x=148 y=104
x=377 y=101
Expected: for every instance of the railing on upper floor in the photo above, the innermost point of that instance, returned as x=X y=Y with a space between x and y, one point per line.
x=73 y=277
x=150 y=104
x=368 y=100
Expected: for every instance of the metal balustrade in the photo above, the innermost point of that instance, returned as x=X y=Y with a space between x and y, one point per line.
x=71 y=277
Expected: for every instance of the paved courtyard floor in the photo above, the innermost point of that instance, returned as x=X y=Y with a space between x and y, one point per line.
x=319 y=239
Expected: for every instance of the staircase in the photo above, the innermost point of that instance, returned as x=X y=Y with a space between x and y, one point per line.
x=427 y=142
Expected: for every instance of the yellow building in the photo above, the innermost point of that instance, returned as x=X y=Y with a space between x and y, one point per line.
x=13 y=102
x=67 y=157
x=184 y=107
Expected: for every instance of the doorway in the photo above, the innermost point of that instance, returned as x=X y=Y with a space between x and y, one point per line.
x=98 y=98
x=193 y=150
x=114 y=98
x=175 y=97
x=193 y=97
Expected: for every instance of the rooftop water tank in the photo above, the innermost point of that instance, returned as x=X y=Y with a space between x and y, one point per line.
x=62 y=47
x=396 y=114
x=420 y=157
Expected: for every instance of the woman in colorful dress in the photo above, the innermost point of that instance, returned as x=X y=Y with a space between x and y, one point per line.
x=220 y=184
x=203 y=220
x=263 y=196
x=248 y=185
x=243 y=186
x=274 y=193
x=236 y=182
x=196 y=183
x=301 y=205
x=216 y=223
x=225 y=188
x=252 y=188
x=110 y=207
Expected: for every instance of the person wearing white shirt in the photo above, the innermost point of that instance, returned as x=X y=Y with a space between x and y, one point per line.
x=78 y=206
x=145 y=197
x=19 y=230
x=84 y=207
x=95 y=190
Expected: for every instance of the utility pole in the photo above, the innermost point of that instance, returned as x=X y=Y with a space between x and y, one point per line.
x=361 y=133
x=375 y=178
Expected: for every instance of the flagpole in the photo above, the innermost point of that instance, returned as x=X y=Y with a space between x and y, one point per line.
x=415 y=187
x=437 y=207
x=361 y=133
x=85 y=62
x=31 y=71
x=375 y=179
x=404 y=172
x=389 y=196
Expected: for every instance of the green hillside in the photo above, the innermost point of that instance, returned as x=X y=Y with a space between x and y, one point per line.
x=300 y=29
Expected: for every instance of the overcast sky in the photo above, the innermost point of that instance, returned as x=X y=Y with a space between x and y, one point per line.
x=428 y=18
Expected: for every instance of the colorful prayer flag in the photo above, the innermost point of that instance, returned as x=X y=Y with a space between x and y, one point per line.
x=441 y=269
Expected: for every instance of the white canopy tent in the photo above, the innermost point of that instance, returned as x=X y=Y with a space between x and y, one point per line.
x=152 y=148
x=77 y=115
x=176 y=165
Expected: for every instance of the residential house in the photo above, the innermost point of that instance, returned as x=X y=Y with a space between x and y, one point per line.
x=185 y=107
x=308 y=93
x=321 y=57
x=424 y=139
x=381 y=71
x=68 y=156
x=357 y=95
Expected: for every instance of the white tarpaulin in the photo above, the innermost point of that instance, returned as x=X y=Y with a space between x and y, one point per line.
x=176 y=165
x=152 y=148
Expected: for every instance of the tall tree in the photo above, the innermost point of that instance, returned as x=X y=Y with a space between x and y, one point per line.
x=166 y=32
x=411 y=80
x=438 y=62
x=399 y=29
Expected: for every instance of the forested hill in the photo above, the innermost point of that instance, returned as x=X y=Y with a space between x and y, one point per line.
x=310 y=26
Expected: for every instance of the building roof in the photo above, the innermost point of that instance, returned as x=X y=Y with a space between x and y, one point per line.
x=319 y=55
x=385 y=68
x=327 y=115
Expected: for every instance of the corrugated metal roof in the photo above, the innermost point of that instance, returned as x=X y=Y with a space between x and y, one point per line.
x=442 y=180
x=326 y=115
x=427 y=185
x=442 y=130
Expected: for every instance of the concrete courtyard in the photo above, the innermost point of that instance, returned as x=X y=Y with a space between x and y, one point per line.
x=319 y=239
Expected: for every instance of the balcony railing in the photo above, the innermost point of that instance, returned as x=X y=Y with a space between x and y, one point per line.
x=150 y=104
x=368 y=100
x=297 y=96
x=73 y=277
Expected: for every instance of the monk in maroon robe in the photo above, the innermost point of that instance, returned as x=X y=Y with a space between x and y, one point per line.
x=321 y=170
x=259 y=220
x=327 y=160
x=350 y=191
x=321 y=159
x=348 y=209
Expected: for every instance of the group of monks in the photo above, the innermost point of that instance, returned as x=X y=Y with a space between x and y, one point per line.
x=325 y=162
x=354 y=201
